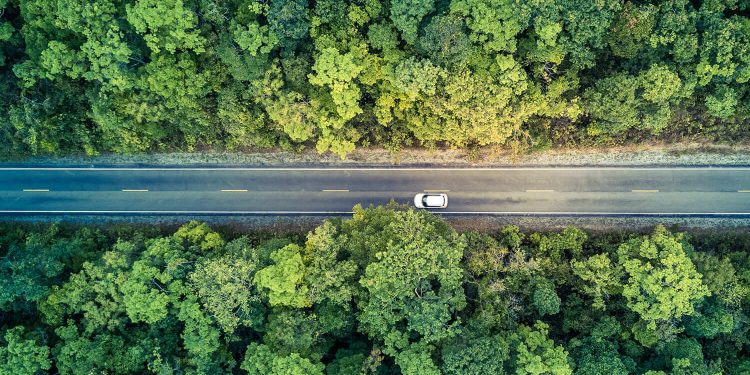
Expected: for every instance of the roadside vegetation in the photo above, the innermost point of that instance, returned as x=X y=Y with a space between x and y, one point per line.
x=389 y=291
x=95 y=76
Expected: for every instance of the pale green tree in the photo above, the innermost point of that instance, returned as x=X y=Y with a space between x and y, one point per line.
x=662 y=282
x=601 y=278
x=260 y=360
x=535 y=354
x=22 y=355
x=284 y=279
x=166 y=25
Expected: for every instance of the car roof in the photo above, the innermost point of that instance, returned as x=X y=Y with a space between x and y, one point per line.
x=434 y=200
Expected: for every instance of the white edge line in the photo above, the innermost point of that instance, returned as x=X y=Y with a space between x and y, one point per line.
x=350 y=212
x=169 y=212
x=723 y=168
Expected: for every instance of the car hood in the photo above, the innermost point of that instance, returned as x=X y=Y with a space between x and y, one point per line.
x=418 y=200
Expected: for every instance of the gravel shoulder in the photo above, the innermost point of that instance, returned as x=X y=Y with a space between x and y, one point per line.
x=680 y=154
x=486 y=224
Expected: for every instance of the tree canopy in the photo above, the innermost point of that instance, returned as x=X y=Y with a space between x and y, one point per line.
x=130 y=76
x=390 y=290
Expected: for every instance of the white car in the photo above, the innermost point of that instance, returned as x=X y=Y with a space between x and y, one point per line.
x=431 y=200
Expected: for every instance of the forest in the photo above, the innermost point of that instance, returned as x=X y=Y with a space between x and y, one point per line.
x=132 y=76
x=389 y=290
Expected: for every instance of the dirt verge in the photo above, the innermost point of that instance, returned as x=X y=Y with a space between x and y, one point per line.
x=487 y=224
x=655 y=154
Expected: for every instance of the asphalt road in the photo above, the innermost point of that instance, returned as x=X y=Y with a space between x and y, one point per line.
x=517 y=191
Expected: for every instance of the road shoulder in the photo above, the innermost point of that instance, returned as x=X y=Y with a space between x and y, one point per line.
x=682 y=154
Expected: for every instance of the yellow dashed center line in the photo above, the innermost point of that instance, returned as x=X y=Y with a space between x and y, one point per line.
x=234 y=190
x=36 y=190
x=743 y=191
x=335 y=190
x=644 y=191
x=539 y=191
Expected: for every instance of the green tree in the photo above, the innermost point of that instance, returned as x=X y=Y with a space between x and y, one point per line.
x=325 y=116
x=167 y=100
x=723 y=102
x=413 y=285
x=612 y=104
x=260 y=360
x=585 y=26
x=685 y=356
x=554 y=251
x=676 y=33
x=475 y=355
x=599 y=352
x=81 y=353
x=721 y=277
x=22 y=355
x=534 y=353
x=145 y=293
x=417 y=79
x=337 y=72
x=390 y=290
x=92 y=343
x=298 y=331
x=624 y=102
x=545 y=299
x=284 y=280
x=598 y=356
x=226 y=289
x=41 y=260
x=416 y=360
x=663 y=284
x=407 y=14
x=494 y=24
x=6 y=34
x=347 y=361
x=254 y=38
x=133 y=309
x=711 y=320
x=472 y=109
x=289 y=20
x=167 y=25
x=445 y=41
x=245 y=123
x=331 y=279
x=631 y=29
x=601 y=278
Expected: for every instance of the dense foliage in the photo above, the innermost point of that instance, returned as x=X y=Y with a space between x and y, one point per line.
x=389 y=291
x=141 y=75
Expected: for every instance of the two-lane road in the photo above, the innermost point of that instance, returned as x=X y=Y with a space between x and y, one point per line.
x=541 y=191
